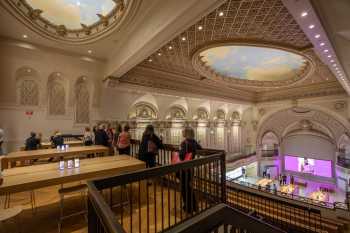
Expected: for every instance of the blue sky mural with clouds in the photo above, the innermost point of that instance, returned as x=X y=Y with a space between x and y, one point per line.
x=72 y=12
x=253 y=63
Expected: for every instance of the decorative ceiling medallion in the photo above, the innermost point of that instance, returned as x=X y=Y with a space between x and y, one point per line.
x=71 y=21
x=252 y=64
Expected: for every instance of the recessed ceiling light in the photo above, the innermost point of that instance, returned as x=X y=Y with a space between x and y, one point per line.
x=331 y=61
x=25 y=36
x=170 y=47
x=336 y=68
x=89 y=51
x=150 y=60
x=200 y=28
x=329 y=56
x=159 y=54
x=311 y=26
x=322 y=44
x=317 y=36
x=183 y=38
x=304 y=13
x=326 y=50
x=221 y=14
x=58 y=74
x=334 y=64
x=29 y=70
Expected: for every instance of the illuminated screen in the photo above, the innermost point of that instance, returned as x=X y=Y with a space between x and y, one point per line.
x=314 y=167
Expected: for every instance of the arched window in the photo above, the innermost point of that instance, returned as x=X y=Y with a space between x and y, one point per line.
x=82 y=104
x=27 y=87
x=56 y=95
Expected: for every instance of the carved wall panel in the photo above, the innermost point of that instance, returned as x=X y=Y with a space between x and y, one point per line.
x=56 y=96
x=29 y=93
x=82 y=108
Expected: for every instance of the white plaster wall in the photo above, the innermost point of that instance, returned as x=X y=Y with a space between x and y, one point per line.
x=13 y=119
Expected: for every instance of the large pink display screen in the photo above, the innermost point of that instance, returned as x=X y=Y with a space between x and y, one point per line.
x=314 y=167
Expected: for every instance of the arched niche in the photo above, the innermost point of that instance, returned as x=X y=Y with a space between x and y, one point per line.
x=27 y=86
x=220 y=115
x=202 y=114
x=82 y=101
x=235 y=116
x=56 y=94
x=143 y=111
x=344 y=144
x=176 y=112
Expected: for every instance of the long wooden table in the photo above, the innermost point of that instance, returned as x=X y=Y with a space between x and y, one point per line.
x=27 y=178
x=48 y=145
x=51 y=153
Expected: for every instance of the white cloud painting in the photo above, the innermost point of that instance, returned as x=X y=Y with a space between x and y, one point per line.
x=253 y=63
x=72 y=13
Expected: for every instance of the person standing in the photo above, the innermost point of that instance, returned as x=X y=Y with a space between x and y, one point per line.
x=31 y=142
x=150 y=143
x=2 y=135
x=88 y=137
x=117 y=132
x=110 y=134
x=101 y=137
x=188 y=146
x=123 y=142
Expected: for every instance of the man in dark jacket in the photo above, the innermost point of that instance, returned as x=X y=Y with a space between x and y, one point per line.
x=31 y=142
x=57 y=140
x=101 y=137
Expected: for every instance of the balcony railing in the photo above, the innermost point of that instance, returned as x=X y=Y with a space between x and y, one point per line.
x=222 y=218
x=153 y=200
x=343 y=161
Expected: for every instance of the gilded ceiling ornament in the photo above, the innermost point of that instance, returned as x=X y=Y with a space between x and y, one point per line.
x=35 y=13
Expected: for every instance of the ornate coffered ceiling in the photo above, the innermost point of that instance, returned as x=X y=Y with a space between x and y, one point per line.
x=265 y=23
x=73 y=22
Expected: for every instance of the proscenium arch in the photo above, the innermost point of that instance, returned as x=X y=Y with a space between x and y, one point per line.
x=327 y=120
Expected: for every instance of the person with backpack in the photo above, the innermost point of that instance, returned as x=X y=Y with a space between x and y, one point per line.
x=123 y=143
x=188 y=151
x=150 y=143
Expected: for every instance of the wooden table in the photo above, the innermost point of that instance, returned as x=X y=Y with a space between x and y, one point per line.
x=51 y=153
x=48 y=145
x=38 y=176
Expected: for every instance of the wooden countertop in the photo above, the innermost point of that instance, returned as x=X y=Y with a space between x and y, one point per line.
x=37 y=176
x=48 y=153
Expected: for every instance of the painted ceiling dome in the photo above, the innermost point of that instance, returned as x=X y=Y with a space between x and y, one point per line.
x=252 y=64
x=73 y=21
x=73 y=13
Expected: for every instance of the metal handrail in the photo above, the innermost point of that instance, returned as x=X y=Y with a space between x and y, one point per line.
x=223 y=216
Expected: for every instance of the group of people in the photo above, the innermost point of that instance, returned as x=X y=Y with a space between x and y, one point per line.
x=33 y=142
x=283 y=179
x=117 y=139
x=120 y=139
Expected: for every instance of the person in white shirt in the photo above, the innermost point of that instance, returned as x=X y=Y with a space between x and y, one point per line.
x=2 y=135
